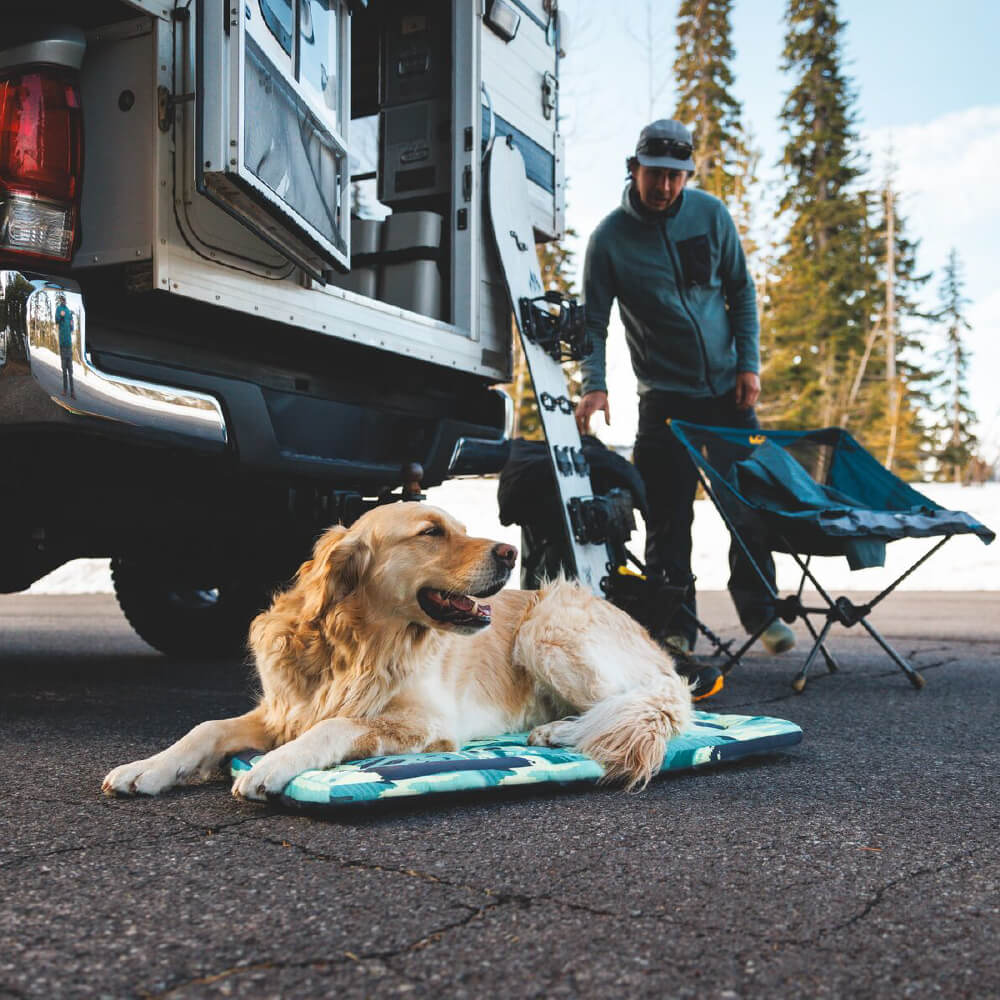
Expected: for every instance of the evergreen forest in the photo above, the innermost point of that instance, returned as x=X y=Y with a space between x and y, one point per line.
x=847 y=337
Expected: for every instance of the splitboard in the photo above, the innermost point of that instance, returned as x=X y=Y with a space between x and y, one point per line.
x=544 y=323
x=508 y=760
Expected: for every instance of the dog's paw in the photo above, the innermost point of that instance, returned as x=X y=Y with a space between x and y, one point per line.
x=561 y=733
x=141 y=777
x=268 y=776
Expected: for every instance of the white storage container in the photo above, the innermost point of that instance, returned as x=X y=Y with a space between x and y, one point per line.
x=411 y=275
x=365 y=237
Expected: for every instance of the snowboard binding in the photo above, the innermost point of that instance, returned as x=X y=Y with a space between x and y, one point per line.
x=561 y=334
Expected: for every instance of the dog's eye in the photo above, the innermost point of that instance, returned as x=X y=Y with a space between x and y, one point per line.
x=434 y=529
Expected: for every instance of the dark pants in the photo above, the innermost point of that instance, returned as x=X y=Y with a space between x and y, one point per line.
x=671 y=481
x=66 y=357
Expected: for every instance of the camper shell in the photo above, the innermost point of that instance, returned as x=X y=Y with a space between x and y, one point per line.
x=268 y=294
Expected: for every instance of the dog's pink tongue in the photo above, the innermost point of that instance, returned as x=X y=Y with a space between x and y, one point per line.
x=462 y=603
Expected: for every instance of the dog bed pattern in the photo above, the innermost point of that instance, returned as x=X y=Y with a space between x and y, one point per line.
x=508 y=760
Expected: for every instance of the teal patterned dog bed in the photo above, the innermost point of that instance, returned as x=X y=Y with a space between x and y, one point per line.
x=508 y=760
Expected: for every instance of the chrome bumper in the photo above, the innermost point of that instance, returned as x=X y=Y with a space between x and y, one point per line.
x=30 y=345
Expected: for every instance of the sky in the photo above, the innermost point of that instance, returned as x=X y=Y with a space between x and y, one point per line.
x=927 y=82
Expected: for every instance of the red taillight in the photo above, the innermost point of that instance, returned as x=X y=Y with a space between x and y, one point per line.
x=41 y=159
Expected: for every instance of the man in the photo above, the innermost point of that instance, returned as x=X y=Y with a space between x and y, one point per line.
x=64 y=321
x=673 y=260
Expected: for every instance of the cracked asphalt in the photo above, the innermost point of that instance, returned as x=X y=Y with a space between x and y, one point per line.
x=862 y=863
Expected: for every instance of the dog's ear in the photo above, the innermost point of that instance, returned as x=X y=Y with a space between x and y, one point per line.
x=336 y=568
x=321 y=550
x=346 y=567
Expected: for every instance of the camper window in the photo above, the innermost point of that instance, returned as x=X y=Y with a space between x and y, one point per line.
x=279 y=19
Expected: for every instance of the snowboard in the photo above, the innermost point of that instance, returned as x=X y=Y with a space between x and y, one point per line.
x=550 y=327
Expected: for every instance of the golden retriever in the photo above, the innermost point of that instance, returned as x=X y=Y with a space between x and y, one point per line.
x=382 y=645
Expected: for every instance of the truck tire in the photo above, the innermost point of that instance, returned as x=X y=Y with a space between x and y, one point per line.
x=187 y=621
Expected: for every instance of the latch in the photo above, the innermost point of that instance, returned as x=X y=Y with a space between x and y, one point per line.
x=165 y=105
x=550 y=92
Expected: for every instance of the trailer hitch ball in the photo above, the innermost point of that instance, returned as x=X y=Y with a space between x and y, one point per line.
x=412 y=474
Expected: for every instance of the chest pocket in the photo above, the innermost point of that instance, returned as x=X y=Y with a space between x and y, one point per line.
x=696 y=260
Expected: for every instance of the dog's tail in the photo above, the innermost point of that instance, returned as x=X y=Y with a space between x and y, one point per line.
x=627 y=734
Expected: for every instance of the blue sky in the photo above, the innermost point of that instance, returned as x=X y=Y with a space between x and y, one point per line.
x=911 y=60
x=927 y=79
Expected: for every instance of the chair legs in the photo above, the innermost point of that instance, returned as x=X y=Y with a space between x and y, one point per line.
x=799 y=680
x=840 y=611
x=735 y=658
x=915 y=679
x=831 y=664
x=845 y=612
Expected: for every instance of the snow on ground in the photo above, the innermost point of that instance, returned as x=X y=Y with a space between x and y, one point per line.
x=964 y=563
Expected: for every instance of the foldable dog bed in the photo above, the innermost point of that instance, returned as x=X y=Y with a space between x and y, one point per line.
x=508 y=760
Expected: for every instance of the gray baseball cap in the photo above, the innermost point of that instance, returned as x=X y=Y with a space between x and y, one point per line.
x=665 y=143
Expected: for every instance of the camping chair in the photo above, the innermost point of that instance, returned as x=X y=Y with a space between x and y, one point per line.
x=816 y=493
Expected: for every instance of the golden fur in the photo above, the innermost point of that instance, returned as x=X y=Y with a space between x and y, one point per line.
x=352 y=663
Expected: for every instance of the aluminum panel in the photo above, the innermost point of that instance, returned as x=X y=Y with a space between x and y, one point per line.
x=117 y=89
x=329 y=311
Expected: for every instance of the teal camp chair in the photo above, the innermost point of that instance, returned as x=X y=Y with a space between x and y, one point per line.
x=816 y=493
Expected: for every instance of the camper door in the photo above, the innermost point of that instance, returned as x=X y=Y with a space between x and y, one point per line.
x=273 y=109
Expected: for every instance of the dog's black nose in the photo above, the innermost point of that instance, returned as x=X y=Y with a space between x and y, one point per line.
x=505 y=554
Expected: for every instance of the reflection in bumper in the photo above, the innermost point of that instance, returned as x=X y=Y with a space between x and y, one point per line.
x=43 y=332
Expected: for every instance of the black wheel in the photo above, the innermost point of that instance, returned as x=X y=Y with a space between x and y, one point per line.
x=207 y=619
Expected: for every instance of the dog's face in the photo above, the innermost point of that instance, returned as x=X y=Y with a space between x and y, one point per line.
x=414 y=562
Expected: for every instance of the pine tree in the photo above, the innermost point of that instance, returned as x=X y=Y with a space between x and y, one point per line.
x=889 y=382
x=908 y=436
x=705 y=103
x=820 y=297
x=956 y=439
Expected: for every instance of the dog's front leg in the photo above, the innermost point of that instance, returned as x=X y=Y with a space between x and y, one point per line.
x=330 y=742
x=200 y=752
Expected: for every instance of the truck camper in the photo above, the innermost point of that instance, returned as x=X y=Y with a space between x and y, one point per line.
x=247 y=285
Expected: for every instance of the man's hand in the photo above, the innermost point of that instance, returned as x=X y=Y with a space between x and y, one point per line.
x=747 y=390
x=590 y=404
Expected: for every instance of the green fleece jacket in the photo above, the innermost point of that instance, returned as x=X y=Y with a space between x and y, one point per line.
x=684 y=293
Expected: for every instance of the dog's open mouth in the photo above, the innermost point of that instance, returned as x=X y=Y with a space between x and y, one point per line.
x=454 y=609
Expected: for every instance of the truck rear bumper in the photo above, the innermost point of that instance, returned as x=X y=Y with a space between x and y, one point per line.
x=31 y=345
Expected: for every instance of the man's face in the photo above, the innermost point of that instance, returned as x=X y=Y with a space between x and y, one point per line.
x=658 y=187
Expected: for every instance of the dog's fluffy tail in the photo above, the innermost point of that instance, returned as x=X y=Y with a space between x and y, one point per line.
x=628 y=733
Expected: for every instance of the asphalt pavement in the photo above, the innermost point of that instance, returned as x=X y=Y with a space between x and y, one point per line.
x=862 y=863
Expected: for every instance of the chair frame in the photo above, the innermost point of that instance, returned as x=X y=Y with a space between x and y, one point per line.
x=839 y=611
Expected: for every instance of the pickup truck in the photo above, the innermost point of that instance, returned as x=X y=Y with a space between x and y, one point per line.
x=247 y=288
